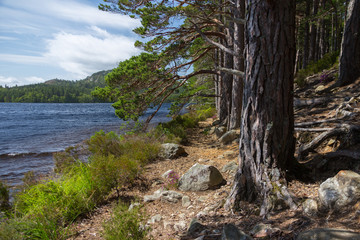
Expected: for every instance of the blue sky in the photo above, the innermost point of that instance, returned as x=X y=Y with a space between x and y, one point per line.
x=65 y=39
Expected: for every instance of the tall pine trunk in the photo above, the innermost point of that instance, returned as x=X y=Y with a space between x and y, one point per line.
x=267 y=125
x=313 y=33
x=350 y=51
x=237 y=88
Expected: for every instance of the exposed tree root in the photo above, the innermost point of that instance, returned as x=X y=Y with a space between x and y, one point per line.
x=298 y=103
x=348 y=133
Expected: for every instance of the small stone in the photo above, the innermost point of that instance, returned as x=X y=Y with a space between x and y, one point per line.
x=185 y=201
x=171 y=196
x=180 y=226
x=202 y=199
x=231 y=232
x=310 y=207
x=263 y=230
x=201 y=160
x=201 y=214
x=154 y=219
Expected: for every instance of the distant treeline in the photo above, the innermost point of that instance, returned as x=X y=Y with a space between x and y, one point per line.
x=56 y=91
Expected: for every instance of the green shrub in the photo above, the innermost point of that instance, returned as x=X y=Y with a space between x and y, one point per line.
x=329 y=60
x=105 y=143
x=63 y=161
x=125 y=224
x=4 y=197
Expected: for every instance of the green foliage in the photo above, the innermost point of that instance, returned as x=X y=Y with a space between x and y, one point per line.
x=326 y=62
x=56 y=91
x=125 y=224
x=4 y=197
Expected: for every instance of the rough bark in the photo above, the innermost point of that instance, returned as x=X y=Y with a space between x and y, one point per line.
x=350 y=51
x=237 y=88
x=267 y=124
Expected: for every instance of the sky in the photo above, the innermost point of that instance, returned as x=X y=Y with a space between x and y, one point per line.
x=65 y=39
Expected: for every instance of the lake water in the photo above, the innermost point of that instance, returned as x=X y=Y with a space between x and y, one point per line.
x=31 y=132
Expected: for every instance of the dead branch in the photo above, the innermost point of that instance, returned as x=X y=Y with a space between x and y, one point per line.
x=304 y=124
x=313 y=129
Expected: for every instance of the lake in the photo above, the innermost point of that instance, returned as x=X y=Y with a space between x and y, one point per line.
x=31 y=132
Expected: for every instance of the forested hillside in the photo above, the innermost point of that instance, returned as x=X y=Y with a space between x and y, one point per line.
x=56 y=91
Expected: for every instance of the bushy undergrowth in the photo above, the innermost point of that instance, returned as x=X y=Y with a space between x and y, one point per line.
x=329 y=60
x=125 y=224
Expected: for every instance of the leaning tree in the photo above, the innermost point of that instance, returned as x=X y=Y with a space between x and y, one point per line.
x=267 y=138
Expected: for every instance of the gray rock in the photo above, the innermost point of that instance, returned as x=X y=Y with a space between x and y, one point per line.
x=220 y=131
x=231 y=167
x=310 y=207
x=263 y=230
x=200 y=178
x=180 y=226
x=328 y=234
x=156 y=195
x=154 y=219
x=228 y=137
x=339 y=191
x=171 y=196
x=185 y=201
x=171 y=151
x=231 y=232
x=195 y=227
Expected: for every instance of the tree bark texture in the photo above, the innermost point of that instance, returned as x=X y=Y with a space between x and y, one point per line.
x=267 y=125
x=237 y=88
x=350 y=50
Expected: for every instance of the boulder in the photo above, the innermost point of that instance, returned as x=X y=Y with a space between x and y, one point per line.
x=328 y=234
x=229 y=137
x=340 y=191
x=200 y=178
x=231 y=232
x=185 y=201
x=171 y=151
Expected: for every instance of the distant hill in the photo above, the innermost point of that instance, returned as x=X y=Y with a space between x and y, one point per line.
x=56 y=90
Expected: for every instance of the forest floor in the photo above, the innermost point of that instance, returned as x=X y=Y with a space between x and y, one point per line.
x=204 y=148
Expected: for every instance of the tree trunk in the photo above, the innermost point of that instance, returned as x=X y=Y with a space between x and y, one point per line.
x=217 y=80
x=266 y=141
x=306 y=35
x=350 y=50
x=237 y=88
x=313 y=33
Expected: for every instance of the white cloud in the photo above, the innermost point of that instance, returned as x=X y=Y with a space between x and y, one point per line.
x=13 y=81
x=84 y=54
x=65 y=10
x=25 y=59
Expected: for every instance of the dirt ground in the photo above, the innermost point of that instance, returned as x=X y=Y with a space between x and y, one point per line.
x=204 y=148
